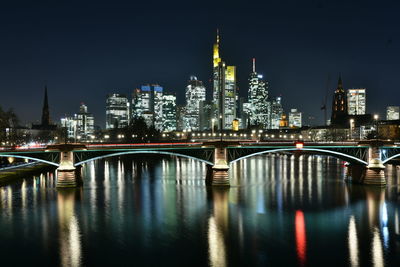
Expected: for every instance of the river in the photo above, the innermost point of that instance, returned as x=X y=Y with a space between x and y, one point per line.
x=280 y=210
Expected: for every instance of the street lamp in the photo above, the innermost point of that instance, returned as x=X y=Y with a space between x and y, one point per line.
x=351 y=128
x=376 y=117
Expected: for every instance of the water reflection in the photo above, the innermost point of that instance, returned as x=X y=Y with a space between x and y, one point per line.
x=218 y=227
x=301 y=240
x=281 y=210
x=69 y=233
x=353 y=243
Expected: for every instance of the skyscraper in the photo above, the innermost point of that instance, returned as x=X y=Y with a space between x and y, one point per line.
x=339 y=106
x=147 y=103
x=276 y=112
x=69 y=124
x=169 y=112
x=117 y=111
x=195 y=93
x=356 y=101
x=224 y=90
x=84 y=122
x=295 y=118
x=259 y=106
x=81 y=125
x=393 y=113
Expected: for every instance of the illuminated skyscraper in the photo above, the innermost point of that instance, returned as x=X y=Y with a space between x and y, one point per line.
x=339 y=106
x=80 y=126
x=295 y=118
x=356 y=101
x=84 y=122
x=117 y=111
x=392 y=113
x=147 y=103
x=276 y=112
x=69 y=125
x=224 y=90
x=259 y=106
x=195 y=94
x=169 y=113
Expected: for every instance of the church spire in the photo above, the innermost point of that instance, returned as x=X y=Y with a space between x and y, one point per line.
x=45 y=110
x=340 y=83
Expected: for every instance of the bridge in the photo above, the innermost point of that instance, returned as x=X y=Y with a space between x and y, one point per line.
x=366 y=159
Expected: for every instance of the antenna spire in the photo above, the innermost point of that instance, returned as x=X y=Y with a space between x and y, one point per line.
x=254 y=64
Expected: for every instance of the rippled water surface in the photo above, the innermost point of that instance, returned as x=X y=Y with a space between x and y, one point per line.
x=145 y=211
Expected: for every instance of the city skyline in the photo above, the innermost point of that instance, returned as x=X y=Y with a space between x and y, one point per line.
x=298 y=69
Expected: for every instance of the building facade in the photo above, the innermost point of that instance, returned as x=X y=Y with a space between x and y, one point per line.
x=276 y=112
x=117 y=111
x=169 y=122
x=147 y=102
x=392 y=113
x=84 y=123
x=195 y=94
x=356 y=101
x=258 y=107
x=295 y=118
x=224 y=90
x=69 y=125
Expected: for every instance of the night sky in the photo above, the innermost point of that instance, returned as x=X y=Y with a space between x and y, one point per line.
x=85 y=51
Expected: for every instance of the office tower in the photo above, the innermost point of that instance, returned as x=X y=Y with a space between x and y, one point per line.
x=168 y=112
x=117 y=111
x=276 y=112
x=224 y=90
x=243 y=112
x=180 y=115
x=259 y=105
x=69 y=124
x=392 y=113
x=295 y=118
x=84 y=122
x=339 y=106
x=356 y=101
x=205 y=118
x=195 y=93
x=147 y=103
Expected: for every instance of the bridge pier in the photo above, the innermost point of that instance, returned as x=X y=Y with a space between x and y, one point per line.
x=218 y=175
x=66 y=172
x=373 y=173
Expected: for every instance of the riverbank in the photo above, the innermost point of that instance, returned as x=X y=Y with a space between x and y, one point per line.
x=10 y=175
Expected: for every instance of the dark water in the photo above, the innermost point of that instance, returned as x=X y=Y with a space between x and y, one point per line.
x=280 y=211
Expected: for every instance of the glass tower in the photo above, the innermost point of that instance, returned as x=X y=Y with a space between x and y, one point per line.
x=169 y=113
x=147 y=103
x=224 y=90
x=195 y=94
x=258 y=108
x=117 y=111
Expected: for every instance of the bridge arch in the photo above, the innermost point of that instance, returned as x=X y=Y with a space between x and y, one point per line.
x=317 y=150
x=144 y=152
x=390 y=158
x=30 y=158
